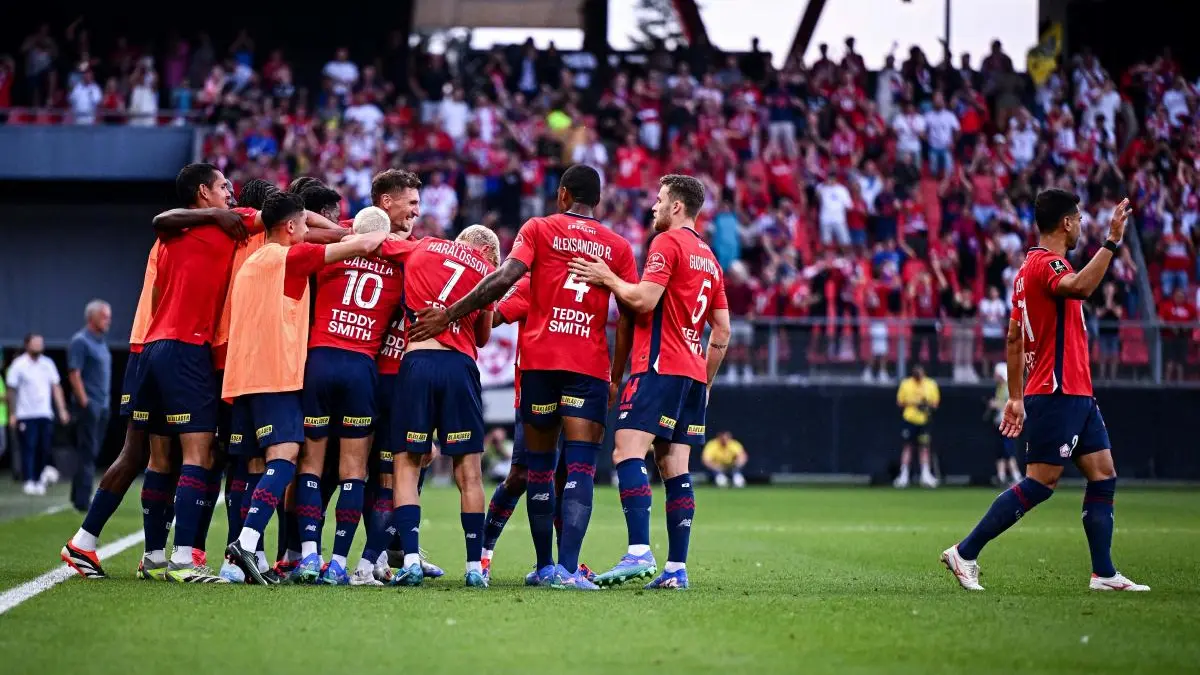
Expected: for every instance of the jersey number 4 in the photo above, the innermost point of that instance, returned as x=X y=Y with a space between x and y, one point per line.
x=574 y=284
x=356 y=289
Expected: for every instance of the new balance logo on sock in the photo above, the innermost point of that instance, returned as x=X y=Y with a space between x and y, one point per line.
x=310 y=528
x=415 y=529
x=569 y=485
x=340 y=533
x=684 y=485
x=686 y=522
x=541 y=497
x=470 y=535
x=253 y=509
x=391 y=531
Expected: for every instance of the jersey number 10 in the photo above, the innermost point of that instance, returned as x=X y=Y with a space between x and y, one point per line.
x=356 y=289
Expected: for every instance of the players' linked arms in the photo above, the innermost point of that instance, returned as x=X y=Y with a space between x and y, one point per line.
x=1013 y=419
x=324 y=236
x=431 y=321
x=1080 y=285
x=624 y=345
x=640 y=297
x=483 y=328
x=718 y=342
x=316 y=221
x=354 y=246
x=171 y=223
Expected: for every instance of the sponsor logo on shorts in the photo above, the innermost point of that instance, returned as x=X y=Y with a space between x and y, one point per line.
x=543 y=409
x=356 y=421
x=316 y=421
x=458 y=437
x=572 y=401
x=182 y=418
x=416 y=437
x=234 y=439
x=695 y=430
x=125 y=398
x=666 y=422
x=385 y=455
x=141 y=416
x=264 y=431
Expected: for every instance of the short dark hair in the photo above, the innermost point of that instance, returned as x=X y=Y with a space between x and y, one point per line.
x=582 y=182
x=297 y=186
x=685 y=189
x=317 y=198
x=190 y=178
x=1051 y=206
x=29 y=338
x=279 y=207
x=386 y=182
x=255 y=192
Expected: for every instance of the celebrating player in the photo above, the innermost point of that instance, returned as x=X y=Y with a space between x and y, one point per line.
x=1048 y=333
x=564 y=363
x=268 y=341
x=438 y=388
x=664 y=403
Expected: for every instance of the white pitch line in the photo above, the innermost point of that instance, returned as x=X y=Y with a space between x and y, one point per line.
x=15 y=596
x=57 y=508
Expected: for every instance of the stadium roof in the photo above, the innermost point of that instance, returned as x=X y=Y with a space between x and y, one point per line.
x=440 y=14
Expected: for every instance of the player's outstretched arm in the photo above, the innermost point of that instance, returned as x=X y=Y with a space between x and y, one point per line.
x=1080 y=285
x=354 y=246
x=431 y=321
x=175 y=221
x=316 y=221
x=718 y=342
x=1013 y=419
x=640 y=297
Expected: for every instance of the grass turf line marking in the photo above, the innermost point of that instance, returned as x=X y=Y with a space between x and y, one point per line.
x=57 y=508
x=15 y=596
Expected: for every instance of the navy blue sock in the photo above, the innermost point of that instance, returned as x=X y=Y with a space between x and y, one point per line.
x=252 y=480
x=233 y=501
x=379 y=527
x=329 y=485
x=269 y=493
x=407 y=519
x=634 y=483
x=472 y=525
x=539 y=502
x=560 y=482
x=347 y=513
x=500 y=509
x=104 y=504
x=1098 y=524
x=681 y=508
x=308 y=507
x=577 y=501
x=1005 y=511
x=421 y=480
x=212 y=490
x=156 y=498
x=189 y=503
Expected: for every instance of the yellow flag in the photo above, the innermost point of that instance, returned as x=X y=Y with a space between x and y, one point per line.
x=1042 y=57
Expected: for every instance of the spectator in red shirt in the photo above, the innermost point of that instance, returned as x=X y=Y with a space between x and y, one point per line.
x=923 y=305
x=1177 y=253
x=1178 y=314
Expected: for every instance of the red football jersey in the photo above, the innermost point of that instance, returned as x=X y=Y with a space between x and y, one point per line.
x=193 y=276
x=392 y=351
x=1053 y=328
x=565 y=329
x=439 y=273
x=514 y=308
x=667 y=340
x=355 y=300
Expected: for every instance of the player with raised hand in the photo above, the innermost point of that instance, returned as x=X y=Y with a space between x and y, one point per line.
x=663 y=405
x=1047 y=335
x=438 y=389
x=567 y=377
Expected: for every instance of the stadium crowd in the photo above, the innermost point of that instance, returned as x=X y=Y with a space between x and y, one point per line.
x=835 y=193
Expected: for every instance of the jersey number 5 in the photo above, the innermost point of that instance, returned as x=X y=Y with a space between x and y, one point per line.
x=701 y=302
x=356 y=289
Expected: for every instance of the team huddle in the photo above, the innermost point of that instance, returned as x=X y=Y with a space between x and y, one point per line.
x=280 y=354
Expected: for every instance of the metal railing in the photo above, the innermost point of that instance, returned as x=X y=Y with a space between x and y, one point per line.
x=55 y=116
x=878 y=351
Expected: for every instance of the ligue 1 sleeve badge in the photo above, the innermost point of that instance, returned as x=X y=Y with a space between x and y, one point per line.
x=1058 y=266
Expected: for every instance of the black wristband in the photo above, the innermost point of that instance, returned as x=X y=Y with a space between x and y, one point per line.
x=1110 y=245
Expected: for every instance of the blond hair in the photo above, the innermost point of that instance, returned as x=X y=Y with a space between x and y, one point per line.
x=372 y=219
x=483 y=240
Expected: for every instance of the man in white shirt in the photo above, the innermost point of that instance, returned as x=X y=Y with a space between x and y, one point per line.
x=366 y=113
x=941 y=130
x=85 y=97
x=342 y=71
x=592 y=153
x=1022 y=141
x=454 y=113
x=439 y=202
x=33 y=383
x=910 y=128
x=835 y=202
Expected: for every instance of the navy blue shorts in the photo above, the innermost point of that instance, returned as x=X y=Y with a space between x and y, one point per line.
x=549 y=395
x=519 y=452
x=263 y=420
x=176 y=388
x=224 y=414
x=339 y=389
x=671 y=407
x=129 y=384
x=382 y=444
x=914 y=433
x=1059 y=427
x=438 y=390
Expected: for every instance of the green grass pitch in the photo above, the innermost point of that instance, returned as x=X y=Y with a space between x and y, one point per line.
x=784 y=580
